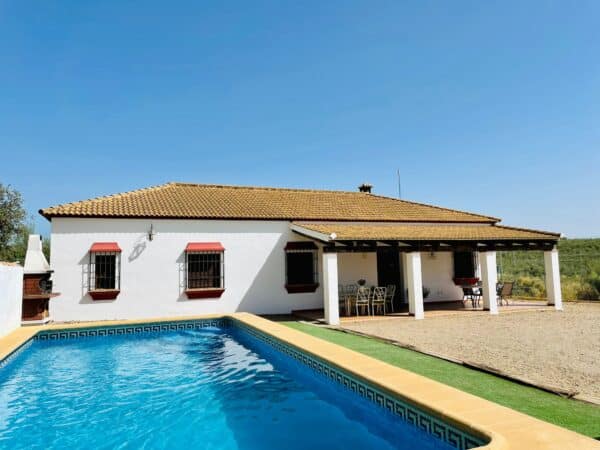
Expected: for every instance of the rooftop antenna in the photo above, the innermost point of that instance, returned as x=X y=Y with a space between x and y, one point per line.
x=399 y=185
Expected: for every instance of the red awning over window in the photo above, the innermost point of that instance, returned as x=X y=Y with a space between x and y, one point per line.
x=204 y=247
x=105 y=247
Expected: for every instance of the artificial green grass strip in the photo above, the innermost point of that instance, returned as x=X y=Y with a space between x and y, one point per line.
x=575 y=415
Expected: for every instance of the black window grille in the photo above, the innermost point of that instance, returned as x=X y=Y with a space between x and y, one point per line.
x=205 y=270
x=105 y=268
x=464 y=264
x=301 y=264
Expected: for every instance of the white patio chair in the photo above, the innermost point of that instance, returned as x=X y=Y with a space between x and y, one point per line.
x=378 y=300
x=363 y=299
x=390 y=294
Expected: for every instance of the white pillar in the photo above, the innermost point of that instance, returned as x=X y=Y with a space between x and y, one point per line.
x=553 y=278
x=414 y=285
x=330 y=288
x=477 y=266
x=489 y=278
x=403 y=294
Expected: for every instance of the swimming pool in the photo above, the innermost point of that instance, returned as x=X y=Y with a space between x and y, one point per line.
x=215 y=384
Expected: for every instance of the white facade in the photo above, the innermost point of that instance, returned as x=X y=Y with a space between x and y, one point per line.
x=356 y=266
x=11 y=298
x=152 y=275
x=152 y=272
x=437 y=273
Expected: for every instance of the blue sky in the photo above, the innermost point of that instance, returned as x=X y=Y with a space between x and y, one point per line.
x=492 y=107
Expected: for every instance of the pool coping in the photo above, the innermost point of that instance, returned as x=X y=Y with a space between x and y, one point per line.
x=504 y=427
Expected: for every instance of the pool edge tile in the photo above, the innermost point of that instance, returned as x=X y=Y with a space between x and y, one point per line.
x=506 y=428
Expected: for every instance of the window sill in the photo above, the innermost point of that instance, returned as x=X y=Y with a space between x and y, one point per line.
x=204 y=293
x=300 y=288
x=104 y=294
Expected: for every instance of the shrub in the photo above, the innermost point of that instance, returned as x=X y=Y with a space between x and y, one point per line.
x=530 y=287
x=593 y=278
x=587 y=292
x=570 y=286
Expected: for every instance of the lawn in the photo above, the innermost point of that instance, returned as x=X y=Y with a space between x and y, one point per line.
x=572 y=414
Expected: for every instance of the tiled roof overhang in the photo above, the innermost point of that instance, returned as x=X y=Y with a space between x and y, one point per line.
x=402 y=232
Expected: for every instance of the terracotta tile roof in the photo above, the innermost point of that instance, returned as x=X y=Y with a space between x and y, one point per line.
x=424 y=232
x=203 y=201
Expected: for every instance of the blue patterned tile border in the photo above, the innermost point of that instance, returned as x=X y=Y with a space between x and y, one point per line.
x=16 y=352
x=406 y=411
x=118 y=330
x=410 y=413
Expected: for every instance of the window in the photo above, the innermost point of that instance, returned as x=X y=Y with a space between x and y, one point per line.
x=464 y=268
x=301 y=274
x=204 y=264
x=105 y=271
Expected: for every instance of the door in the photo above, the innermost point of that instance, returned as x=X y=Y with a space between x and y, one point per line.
x=389 y=271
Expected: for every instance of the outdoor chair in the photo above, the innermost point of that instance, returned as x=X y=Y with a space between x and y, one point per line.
x=504 y=292
x=473 y=294
x=342 y=299
x=378 y=300
x=363 y=299
x=467 y=294
x=350 y=293
x=390 y=294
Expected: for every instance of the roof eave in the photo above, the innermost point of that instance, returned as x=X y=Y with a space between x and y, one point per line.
x=312 y=234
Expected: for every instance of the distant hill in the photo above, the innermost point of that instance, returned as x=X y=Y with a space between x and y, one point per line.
x=579 y=268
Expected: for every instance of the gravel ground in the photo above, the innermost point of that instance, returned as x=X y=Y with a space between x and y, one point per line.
x=550 y=348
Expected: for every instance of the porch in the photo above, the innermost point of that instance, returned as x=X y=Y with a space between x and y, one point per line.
x=433 y=309
x=425 y=263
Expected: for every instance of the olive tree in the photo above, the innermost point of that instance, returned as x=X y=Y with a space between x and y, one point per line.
x=12 y=224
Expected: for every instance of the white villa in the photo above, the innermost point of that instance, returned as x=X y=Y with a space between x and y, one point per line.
x=187 y=249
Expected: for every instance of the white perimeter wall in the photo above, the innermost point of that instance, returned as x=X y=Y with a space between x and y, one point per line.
x=152 y=272
x=11 y=298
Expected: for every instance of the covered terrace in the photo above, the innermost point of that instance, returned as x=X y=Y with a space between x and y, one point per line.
x=397 y=250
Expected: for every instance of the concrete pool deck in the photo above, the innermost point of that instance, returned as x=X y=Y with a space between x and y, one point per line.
x=507 y=429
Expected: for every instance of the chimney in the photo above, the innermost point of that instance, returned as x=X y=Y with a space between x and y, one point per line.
x=37 y=286
x=365 y=187
x=35 y=261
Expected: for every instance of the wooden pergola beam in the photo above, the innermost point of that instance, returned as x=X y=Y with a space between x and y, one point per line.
x=365 y=246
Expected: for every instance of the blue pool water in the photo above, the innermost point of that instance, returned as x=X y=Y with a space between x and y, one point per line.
x=205 y=389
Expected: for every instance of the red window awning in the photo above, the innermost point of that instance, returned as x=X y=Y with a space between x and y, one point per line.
x=105 y=247
x=204 y=247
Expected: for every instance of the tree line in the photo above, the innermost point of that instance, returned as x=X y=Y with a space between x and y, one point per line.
x=15 y=226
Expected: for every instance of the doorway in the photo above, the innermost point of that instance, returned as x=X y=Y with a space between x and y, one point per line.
x=389 y=271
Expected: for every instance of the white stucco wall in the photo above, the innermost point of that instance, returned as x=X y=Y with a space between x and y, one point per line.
x=152 y=282
x=354 y=266
x=438 y=271
x=11 y=298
